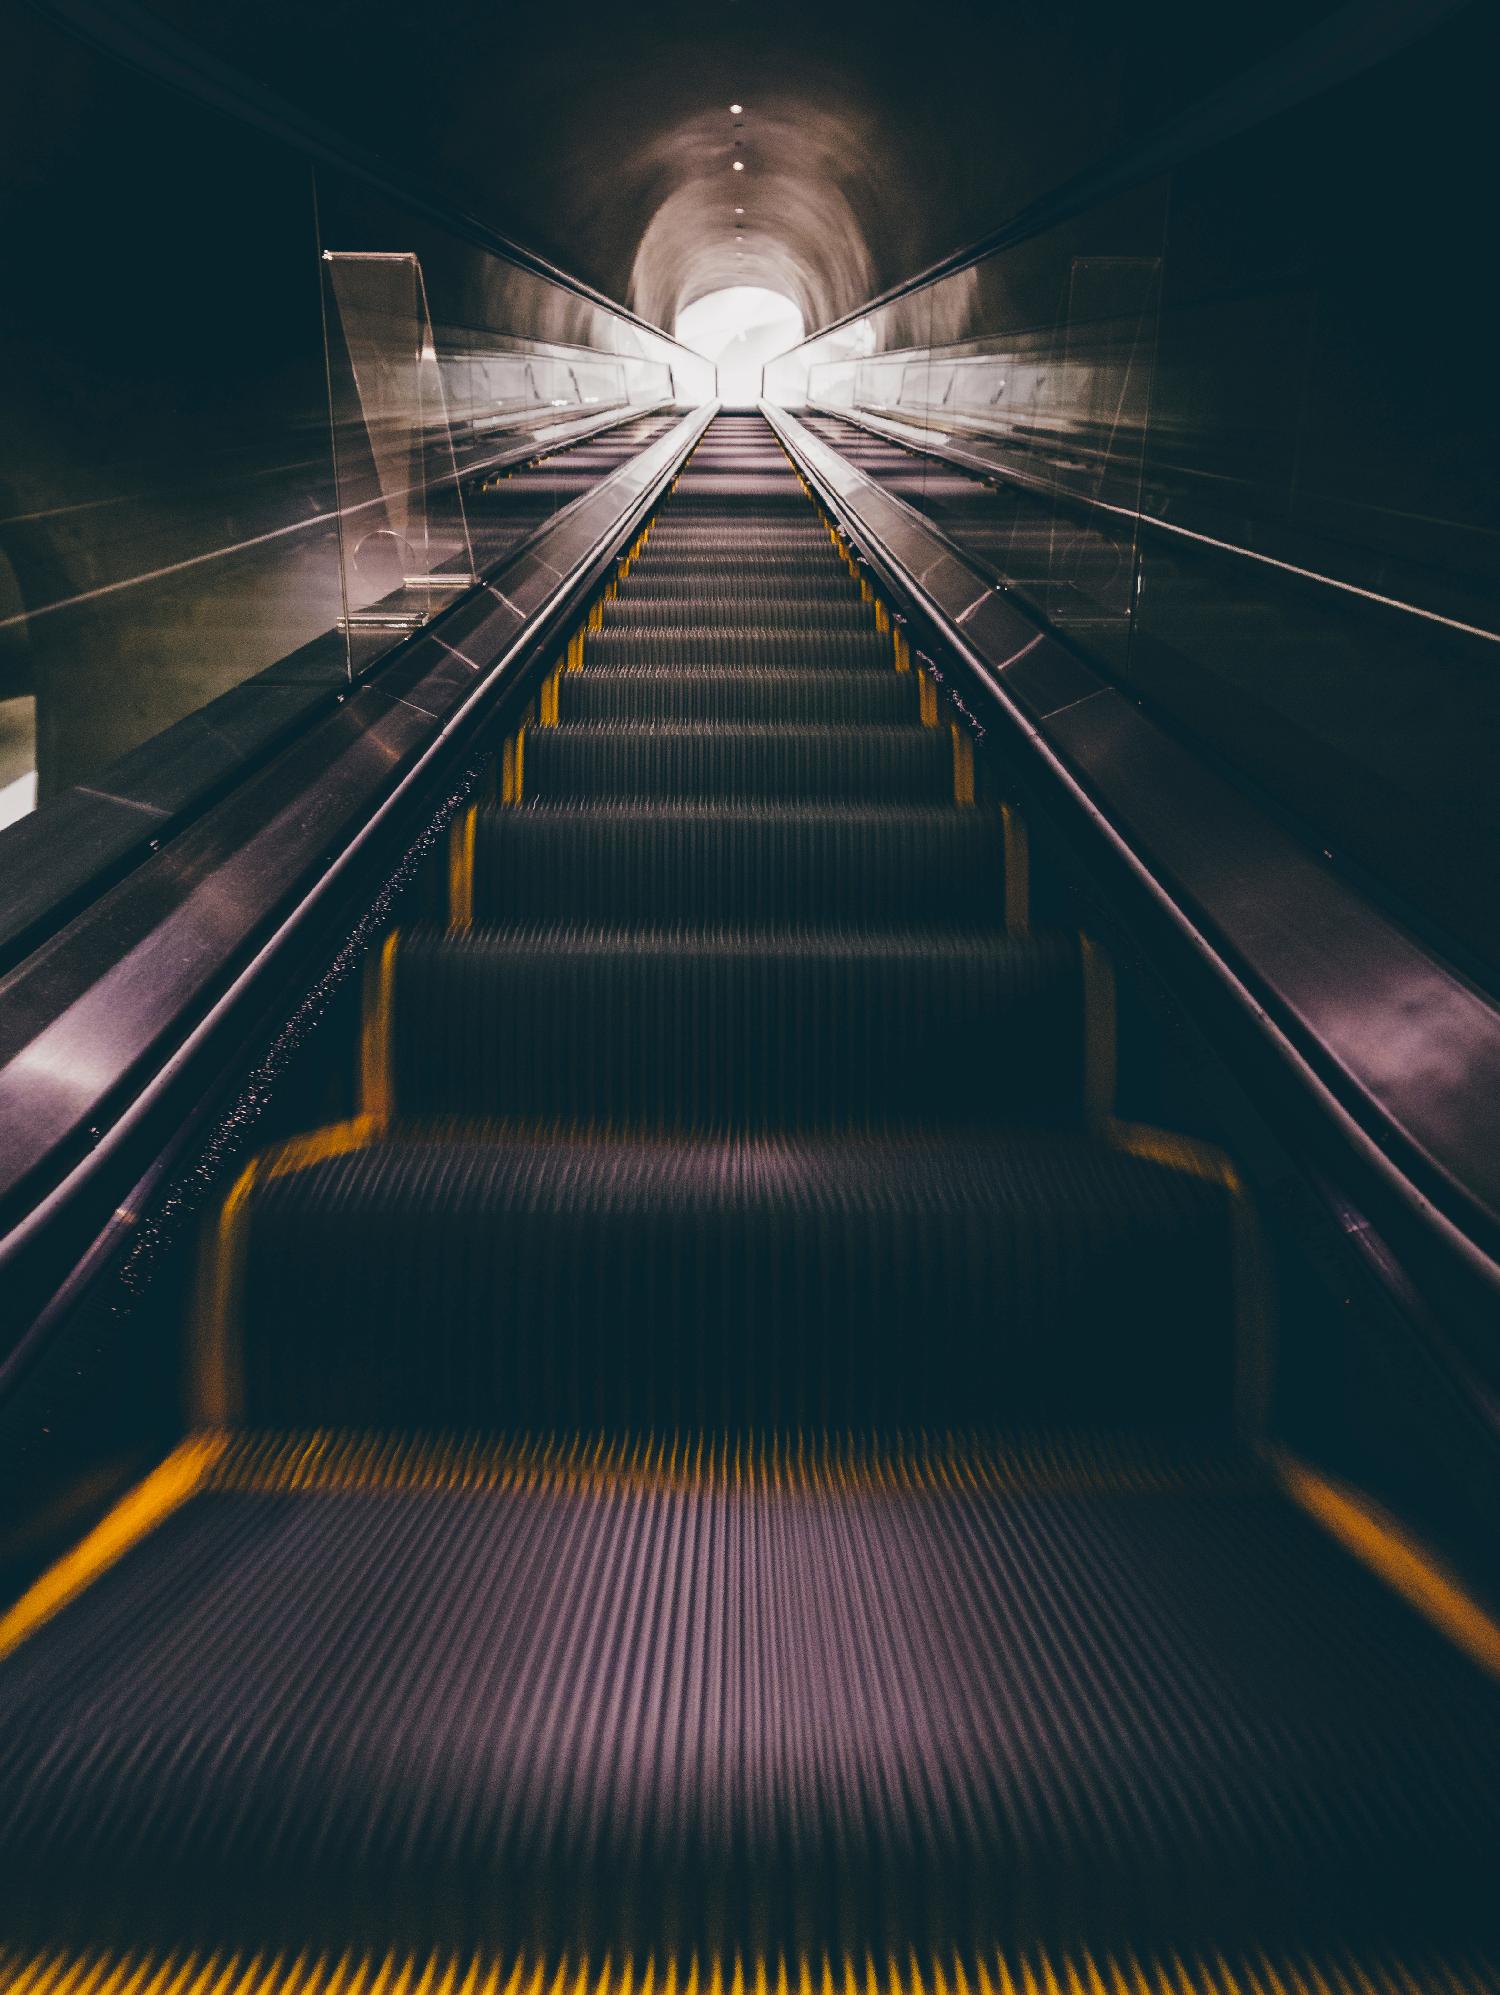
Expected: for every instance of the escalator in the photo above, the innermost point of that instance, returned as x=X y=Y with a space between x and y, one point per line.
x=505 y=505
x=733 y=1469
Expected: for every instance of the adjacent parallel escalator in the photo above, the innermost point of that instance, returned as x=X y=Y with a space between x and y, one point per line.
x=734 y=1469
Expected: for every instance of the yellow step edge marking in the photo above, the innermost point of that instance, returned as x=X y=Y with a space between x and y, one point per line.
x=214 y=1384
x=919 y=1467
x=548 y=714
x=1254 y=1310
x=1178 y=1153
x=1099 y=1035
x=926 y=699
x=377 y=1089
x=133 y=1517
x=216 y=1387
x=1017 y=871
x=512 y=767
x=1405 y=1565
x=461 y=868
x=575 y=651
x=901 y=647
x=963 y=765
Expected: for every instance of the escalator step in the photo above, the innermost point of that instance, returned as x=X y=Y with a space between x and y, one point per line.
x=857 y=1283
x=764 y=1029
x=639 y=1705
x=855 y=764
x=748 y=864
x=638 y=693
x=787 y=644
x=661 y=563
x=677 y=593
x=691 y=614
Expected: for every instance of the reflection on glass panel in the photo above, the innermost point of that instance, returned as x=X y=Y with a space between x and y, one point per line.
x=403 y=535
x=1246 y=465
x=186 y=573
x=167 y=523
x=538 y=382
x=1011 y=400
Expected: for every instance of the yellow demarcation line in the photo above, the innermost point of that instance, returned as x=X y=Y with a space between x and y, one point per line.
x=1253 y=1312
x=512 y=766
x=1041 y=1970
x=377 y=1085
x=901 y=648
x=930 y=1466
x=926 y=699
x=461 y=868
x=1017 y=871
x=1178 y=1153
x=217 y=1384
x=1099 y=1033
x=133 y=1517
x=1407 y=1567
x=963 y=765
x=215 y=1381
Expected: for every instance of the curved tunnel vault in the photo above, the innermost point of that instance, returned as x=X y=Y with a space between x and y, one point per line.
x=871 y=144
x=791 y=221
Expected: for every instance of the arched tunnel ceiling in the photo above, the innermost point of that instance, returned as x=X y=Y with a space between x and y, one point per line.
x=874 y=139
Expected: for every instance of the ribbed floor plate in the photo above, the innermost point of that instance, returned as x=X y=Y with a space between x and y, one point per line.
x=361 y=1971
x=681 y=1698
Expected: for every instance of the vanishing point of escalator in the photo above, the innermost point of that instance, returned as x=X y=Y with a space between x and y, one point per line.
x=733 y=1470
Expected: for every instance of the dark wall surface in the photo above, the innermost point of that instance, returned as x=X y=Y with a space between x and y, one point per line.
x=874 y=141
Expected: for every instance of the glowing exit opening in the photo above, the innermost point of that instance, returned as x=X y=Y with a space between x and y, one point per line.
x=739 y=330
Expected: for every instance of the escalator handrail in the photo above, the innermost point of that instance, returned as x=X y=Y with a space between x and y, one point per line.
x=1410 y=1075
x=103 y=1026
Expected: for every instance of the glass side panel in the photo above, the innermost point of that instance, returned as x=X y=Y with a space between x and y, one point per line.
x=167 y=507
x=1014 y=397
x=403 y=535
x=1233 y=435
x=525 y=371
x=259 y=422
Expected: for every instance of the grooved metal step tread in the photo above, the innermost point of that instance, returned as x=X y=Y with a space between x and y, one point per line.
x=857 y=764
x=740 y=1028
x=754 y=863
x=602 y=1699
x=600 y=1279
x=643 y=692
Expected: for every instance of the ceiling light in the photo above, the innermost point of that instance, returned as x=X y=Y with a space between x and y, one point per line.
x=735 y=109
x=739 y=211
x=739 y=166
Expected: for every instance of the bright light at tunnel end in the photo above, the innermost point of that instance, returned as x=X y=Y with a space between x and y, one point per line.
x=740 y=329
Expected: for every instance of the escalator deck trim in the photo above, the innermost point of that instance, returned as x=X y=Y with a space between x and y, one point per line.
x=356 y=1971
